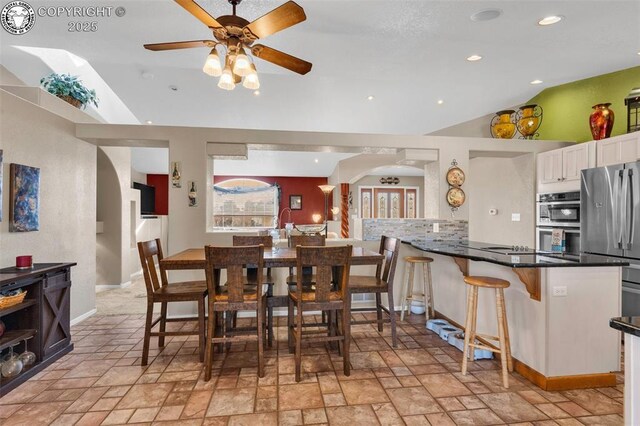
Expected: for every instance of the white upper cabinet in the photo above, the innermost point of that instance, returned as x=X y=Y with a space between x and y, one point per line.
x=559 y=170
x=575 y=159
x=618 y=150
x=550 y=166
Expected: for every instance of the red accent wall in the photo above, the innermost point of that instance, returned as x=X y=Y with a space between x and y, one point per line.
x=161 y=183
x=312 y=197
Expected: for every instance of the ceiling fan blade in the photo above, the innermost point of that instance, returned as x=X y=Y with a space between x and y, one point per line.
x=282 y=59
x=180 y=45
x=278 y=19
x=203 y=16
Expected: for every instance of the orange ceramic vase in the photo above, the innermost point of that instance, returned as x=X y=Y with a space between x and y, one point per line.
x=601 y=121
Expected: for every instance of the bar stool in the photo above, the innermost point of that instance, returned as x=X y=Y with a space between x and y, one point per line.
x=503 y=329
x=407 y=289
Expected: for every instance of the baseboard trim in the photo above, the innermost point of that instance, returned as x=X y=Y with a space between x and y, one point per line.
x=552 y=383
x=84 y=316
x=104 y=287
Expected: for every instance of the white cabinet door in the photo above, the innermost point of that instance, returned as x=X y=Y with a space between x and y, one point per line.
x=617 y=150
x=575 y=159
x=550 y=166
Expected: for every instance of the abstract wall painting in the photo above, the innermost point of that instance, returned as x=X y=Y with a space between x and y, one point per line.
x=25 y=197
x=1 y=185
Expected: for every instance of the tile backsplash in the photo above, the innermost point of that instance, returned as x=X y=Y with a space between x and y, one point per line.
x=409 y=229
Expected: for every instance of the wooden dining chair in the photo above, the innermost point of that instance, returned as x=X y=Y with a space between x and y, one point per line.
x=159 y=291
x=267 y=242
x=234 y=296
x=324 y=297
x=381 y=283
x=303 y=240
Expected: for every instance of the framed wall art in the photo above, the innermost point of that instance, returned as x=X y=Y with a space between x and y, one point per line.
x=1 y=185
x=295 y=202
x=176 y=174
x=24 y=213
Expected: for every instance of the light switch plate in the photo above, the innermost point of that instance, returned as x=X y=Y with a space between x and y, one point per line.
x=436 y=227
x=515 y=217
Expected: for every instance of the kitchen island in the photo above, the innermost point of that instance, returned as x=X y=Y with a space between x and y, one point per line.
x=630 y=326
x=558 y=307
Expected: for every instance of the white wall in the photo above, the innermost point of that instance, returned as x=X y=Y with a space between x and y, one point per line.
x=476 y=128
x=35 y=137
x=508 y=185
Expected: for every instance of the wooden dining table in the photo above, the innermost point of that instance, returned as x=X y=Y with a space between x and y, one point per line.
x=276 y=257
x=285 y=257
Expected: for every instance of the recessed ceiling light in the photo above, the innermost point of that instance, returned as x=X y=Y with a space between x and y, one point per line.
x=486 y=15
x=315 y=160
x=256 y=93
x=370 y=97
x=550 y=20
x=536 y=82
x=474 y=58
x=174 y=88
x=149 y=122
x=440 y=101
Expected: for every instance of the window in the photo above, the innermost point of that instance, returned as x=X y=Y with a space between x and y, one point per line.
x=245 y=203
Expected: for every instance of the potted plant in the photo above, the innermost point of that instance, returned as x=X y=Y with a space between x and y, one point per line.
x=70 y=89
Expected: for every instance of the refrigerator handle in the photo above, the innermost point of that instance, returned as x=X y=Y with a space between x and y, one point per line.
x=618 y=215
x=631 y=228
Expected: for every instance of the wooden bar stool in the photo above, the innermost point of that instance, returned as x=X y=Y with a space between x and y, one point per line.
x=407 y=290
x=503 y=329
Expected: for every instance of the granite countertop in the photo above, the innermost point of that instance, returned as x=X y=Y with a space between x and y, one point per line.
x=513 y=257
x=629 y=325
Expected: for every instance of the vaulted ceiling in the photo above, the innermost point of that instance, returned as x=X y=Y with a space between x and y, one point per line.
x=406 y=54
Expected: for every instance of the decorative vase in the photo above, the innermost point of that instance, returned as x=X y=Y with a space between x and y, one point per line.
x=601 y=121
x=528 y=120
x=71 y=100
x=502 y=126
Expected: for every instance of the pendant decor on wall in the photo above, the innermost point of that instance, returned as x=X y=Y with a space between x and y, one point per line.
x=176 y=170
x=24 y=215
x=455 y=179
x=1 y=185
x=601 y=121
x=193 y=194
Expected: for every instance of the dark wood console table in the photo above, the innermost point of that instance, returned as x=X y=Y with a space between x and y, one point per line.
x=43 y=317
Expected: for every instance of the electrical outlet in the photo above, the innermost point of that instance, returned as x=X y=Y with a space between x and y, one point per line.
x=436 y=227
x=560 y=291
x=515 y=217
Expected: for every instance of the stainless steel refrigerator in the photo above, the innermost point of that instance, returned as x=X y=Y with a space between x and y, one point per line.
x=610 y=222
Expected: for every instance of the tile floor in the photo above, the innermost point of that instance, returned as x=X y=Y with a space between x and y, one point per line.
x=418 y=383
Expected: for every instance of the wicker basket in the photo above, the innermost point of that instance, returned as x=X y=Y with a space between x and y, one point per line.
x=71 y=100
x=8 y=301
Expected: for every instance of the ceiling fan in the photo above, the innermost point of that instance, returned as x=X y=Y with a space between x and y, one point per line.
x=235 y=33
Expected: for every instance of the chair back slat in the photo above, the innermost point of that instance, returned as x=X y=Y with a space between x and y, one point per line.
x=234 y=260
x=326 y=260
x=389 y=248
x=148 y=251
x=253 y=240
x=306 y=240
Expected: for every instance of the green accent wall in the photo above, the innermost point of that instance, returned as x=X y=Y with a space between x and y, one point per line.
x=567 y=107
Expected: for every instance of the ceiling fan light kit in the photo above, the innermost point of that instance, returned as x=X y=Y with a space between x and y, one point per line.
x=212 y=64
x=234 y=33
